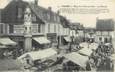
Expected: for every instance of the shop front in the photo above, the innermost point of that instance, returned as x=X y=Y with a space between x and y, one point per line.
x=40 y=42
x=53 y=38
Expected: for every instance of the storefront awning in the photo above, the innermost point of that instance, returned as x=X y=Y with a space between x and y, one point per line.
x=7 y=41
x=86 y=51
x=68 y=39
x=41 y=40
x=36 y=55
x=77 y=58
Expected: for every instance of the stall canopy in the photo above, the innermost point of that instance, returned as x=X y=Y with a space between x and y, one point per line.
x=68 y=39
x=41 y=40
x=7 y=41
x=86 y=51
x=94 y=46
x=108 y=44
x=2 y=46
x=84 y=44
x=36 y=55
x=77 y=58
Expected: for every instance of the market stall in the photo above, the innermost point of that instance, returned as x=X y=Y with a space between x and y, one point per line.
x=78 y=60
x=94 y=46
x=85 y=51
x=83 y=44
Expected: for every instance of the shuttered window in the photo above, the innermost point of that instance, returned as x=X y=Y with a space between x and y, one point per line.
x=11 y=28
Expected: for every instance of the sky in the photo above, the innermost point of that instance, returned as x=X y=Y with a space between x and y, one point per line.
x=88 y=20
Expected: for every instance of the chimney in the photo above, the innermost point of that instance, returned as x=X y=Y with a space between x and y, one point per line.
x=36 y=2
x=50 y=8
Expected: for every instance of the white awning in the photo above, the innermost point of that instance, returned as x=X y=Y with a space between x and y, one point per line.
x=94 y=46
x=77 y=58
x=36 y=55
x=7 y=41
x=41 y=40
x=108 y=44
x=85 y=51
x=84 y=44
x=68 y=39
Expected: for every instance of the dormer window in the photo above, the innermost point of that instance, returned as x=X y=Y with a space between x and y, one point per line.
x=20 y=13
x=34 y=18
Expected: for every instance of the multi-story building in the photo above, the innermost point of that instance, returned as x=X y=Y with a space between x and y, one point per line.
x=104 y=30
x=26 y=23
x=30 y=25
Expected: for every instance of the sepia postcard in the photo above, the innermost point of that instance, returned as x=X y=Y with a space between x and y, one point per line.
x=57 y=35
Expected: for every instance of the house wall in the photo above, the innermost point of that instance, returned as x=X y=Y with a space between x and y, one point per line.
x=103 y=35
x=19 y=29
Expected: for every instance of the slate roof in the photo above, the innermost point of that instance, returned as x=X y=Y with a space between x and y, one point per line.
x=9 y=14
x=76 y=26
x=64 y=22
x=43 y=14
x=105 y=25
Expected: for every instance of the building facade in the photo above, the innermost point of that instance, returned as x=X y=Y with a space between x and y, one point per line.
x=104 y=30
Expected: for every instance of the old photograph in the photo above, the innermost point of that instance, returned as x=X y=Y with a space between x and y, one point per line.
x=57 y=35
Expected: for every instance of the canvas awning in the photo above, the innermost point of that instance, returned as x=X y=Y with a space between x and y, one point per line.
x=68 y=39
x=41 y=40
x=7 y=41
x=77 y=58
x=36 y=55
x=94 y=46
x=86 y=51
x=108 y=44
x=84 y=44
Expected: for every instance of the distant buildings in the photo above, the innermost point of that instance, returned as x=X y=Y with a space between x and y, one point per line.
x=104 y=30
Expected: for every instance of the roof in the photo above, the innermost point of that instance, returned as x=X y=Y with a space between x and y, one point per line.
x=41 y=54
x=76 y=26
x=45 y=14
x=86 y=51
x=65 y=23
x=105 y=25
x=4 y=3
x=9 y=14
x=76 y=58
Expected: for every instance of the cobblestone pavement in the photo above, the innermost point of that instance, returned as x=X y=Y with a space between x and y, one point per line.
x=9 y=64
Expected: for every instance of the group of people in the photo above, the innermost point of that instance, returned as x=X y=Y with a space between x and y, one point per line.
x=100 y=58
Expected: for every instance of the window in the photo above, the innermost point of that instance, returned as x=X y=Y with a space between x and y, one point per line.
x=34 y=18
x=39 y=28
x=100 y=38
x=11 y=28
x=1 y=28
x=55 y=28
x=20 y=12
x=25 y=28
x=48 y=16
x=48 y=27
